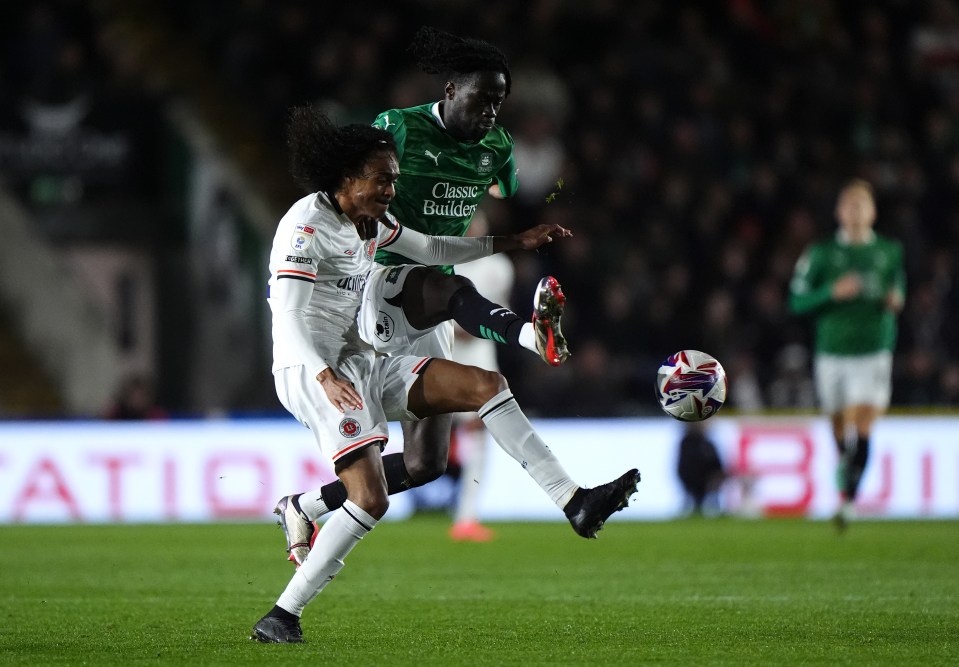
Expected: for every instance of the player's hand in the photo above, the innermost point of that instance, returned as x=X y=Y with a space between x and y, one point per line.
x=366 y=227
x=385 y=219
x=539 y=235
x=894 y=300
x=847 y=287
x=340 y=392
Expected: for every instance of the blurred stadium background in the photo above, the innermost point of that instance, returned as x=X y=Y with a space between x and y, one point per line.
x=699 y=147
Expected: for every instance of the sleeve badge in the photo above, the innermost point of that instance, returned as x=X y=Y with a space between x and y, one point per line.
x=302 y=237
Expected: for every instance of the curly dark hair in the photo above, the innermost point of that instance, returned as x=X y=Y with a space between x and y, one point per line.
x=323 y=154
x=439 y=52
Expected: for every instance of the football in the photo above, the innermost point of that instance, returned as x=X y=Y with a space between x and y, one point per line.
x=691 y=385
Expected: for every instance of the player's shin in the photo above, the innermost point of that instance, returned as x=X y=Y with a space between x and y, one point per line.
x=339 y=535
x=512 y=431
x=856 y=467
x=482 y=318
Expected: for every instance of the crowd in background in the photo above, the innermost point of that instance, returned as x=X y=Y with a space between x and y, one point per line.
x=694 y=148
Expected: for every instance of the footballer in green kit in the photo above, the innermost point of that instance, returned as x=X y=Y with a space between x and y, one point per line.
x=450 y=159
x=854 y=287
x=444 y=178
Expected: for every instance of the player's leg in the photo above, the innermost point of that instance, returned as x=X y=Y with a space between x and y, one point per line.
x=868 y=390
x=356 y=455
x=863 y=417
x=403 y=303
x=362 y=474
x=430 y=297
x=445 y=386
x=838 y=421
x=423 y=459
x=471 y=445
x=831 y=378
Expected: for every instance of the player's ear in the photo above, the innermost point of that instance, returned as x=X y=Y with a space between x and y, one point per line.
x=450 y=90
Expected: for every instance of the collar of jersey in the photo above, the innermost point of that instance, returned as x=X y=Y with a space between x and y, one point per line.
x=435 y=110
x=843 y=238
x=331 y=200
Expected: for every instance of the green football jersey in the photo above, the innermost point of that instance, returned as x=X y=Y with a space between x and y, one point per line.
x=861 y=325
x=442 y=180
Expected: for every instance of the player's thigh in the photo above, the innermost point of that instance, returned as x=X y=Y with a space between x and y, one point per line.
x=425 y=441
x=869 y=382
x=436 y=342
x=828 y=374
x=383 y=324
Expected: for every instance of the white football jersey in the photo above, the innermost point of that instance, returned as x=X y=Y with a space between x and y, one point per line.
x=318 y=268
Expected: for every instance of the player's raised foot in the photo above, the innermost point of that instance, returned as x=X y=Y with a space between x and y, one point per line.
x=470 y=531
x=298 y=530
x=274 y=630
x=588 y=509
x=548 y=305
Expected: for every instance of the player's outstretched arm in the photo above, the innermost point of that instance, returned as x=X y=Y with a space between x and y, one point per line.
x=531 y=238
x=430 y=250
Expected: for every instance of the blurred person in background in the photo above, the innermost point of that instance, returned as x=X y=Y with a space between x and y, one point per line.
x=135 y=399
x=700 y=469
x=854 y=288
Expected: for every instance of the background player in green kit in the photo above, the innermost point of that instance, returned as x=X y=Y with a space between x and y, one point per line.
x=854 y=286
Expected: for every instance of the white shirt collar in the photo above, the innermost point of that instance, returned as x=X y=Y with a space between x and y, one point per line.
x=436 y=114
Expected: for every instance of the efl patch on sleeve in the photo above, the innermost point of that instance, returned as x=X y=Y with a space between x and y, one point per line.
x=302 y=237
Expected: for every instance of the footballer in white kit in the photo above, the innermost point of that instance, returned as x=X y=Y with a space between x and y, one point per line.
x=319 y=267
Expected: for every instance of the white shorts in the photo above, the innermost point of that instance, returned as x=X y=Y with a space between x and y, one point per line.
x=383 y=382
x=842 y=381
x=384 y=325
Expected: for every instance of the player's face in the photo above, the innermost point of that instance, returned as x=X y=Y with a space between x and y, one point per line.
x=471 y=106
x=369 y=194
x=856 y=210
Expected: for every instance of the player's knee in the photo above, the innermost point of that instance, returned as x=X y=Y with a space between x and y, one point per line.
x=487 y=385
x=374 y=503
x=449 y=286
x=423 y=470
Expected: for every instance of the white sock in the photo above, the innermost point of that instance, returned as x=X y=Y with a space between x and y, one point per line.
x=337 y=538
x=527 y=337
x=313 y=505
x=512 y=431
x=472 y=442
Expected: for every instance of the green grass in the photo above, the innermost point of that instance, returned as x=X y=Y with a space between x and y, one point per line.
x=696 y=592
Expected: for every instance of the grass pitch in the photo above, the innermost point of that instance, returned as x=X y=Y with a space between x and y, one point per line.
x=694 y=592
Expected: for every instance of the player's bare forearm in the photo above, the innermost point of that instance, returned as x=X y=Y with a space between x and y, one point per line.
x=531 y=238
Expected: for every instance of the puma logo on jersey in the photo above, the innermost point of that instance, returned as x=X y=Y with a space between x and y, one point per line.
x=434 y=158
x=386 y=122
x=499 y=311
